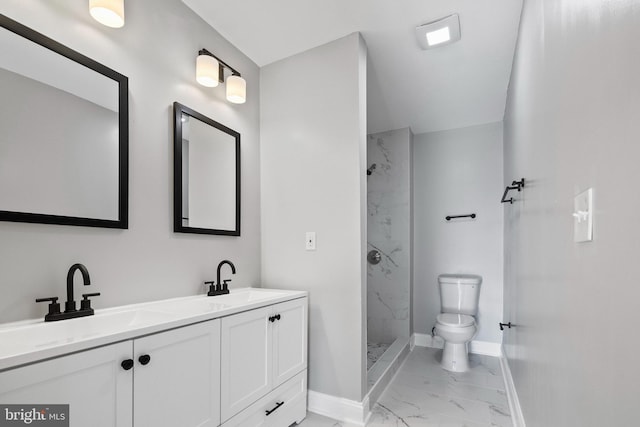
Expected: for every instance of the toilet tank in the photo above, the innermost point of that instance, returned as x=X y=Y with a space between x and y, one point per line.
x=459 y=293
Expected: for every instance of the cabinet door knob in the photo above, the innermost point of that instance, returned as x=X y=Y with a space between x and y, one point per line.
x=127 y=364
x=144 y=359
x=272 y=319
x=277 y=317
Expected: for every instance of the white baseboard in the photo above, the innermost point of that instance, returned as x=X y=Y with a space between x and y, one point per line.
x=512 y=396
x=486 y=347
x=338 y=408
x=426 y=340
x=476 y=347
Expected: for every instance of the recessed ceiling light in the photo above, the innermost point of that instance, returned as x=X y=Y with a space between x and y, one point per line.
x=439 y=33
x=438 y=36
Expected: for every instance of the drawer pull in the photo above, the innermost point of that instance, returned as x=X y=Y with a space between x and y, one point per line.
x=278 y=404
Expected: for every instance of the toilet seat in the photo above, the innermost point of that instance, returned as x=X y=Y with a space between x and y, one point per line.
x=455 y=320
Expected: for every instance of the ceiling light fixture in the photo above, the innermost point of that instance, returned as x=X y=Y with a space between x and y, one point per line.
x=108 y=12
x=210 y=72
x=439 y=33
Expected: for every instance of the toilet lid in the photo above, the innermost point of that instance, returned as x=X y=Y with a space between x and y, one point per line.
x=453 y=319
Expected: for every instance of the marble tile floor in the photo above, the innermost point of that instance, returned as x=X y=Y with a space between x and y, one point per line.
x=423 y=395
x=374 y=351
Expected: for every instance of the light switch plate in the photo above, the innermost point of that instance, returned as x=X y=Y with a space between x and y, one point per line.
x=583 y=216
x=310 y=242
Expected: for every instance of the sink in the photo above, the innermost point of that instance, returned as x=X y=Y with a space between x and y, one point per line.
x=195 y=306
x=247 y=296
x=205 y=304
x=40 y=335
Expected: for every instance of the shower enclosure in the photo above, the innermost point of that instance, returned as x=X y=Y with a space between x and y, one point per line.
x=388 y=248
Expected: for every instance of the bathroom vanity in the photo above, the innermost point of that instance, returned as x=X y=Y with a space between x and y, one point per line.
x=233 y=360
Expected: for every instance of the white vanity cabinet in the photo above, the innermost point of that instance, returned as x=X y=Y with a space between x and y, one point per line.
x=233 y=360
x=99 y=392
x=165 y=379
x=263 y=365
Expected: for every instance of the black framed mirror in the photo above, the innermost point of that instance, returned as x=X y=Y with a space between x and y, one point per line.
x=64 y=140
x=206 y=175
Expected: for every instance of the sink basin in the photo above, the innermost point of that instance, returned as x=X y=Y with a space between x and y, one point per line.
x=41 y=334
x=247 y=296
x=205 y=304
x=195 y=306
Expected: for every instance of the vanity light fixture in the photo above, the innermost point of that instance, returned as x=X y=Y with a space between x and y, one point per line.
x=207 y=70
x=439 y=33
x=108 y=12
x=210 y=72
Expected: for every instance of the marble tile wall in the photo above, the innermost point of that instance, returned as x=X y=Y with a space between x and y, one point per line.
x=388 y=231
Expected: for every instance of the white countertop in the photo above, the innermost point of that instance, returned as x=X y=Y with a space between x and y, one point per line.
x=32 y=340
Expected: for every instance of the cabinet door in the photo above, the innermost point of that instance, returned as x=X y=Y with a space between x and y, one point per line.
x=180 y=383
x=246 y=360
x=289 y=340
x=97 y=389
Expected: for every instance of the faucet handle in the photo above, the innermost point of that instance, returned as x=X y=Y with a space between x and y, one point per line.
x=85 y=304
x=224 y=285
x=212 y=288
x=54 y=306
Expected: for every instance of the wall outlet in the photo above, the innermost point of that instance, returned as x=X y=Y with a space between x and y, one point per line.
x=583 y=216
x=310 y=241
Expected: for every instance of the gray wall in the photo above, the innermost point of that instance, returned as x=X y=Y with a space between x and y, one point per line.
x=458 y=172
x=388 y=231
x=156 y=49
x=572 y=123
x=313 y=145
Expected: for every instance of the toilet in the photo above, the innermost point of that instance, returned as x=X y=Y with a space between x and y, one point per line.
x=456 y=323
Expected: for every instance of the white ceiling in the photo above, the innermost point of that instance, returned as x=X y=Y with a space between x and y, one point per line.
x=458 y=85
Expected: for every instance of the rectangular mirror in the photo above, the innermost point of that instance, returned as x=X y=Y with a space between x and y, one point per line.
x=206 y=175
x=64 y=139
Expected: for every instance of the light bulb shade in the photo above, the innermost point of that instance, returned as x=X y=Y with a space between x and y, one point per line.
x=108 y=12
x=236 y=90
x=207 y=70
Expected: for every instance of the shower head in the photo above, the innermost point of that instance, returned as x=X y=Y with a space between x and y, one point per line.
x=371 y=168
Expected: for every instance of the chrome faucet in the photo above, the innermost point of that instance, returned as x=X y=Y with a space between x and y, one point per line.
x=70 y=310
x=218 y=288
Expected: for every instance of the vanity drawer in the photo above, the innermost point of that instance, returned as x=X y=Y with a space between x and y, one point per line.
x=287 y=403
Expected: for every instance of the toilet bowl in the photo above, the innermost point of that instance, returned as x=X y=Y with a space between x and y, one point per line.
x=456 y=330
x=456 y=324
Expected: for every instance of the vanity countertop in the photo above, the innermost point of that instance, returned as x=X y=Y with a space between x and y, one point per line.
x=32 y=340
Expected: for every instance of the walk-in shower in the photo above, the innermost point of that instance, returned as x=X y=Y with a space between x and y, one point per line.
x=388 y=248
